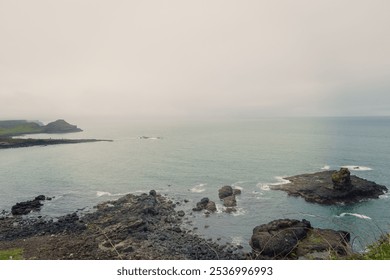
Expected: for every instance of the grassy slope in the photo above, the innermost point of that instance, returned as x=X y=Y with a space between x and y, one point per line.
x=12 y=254
x=20 y=129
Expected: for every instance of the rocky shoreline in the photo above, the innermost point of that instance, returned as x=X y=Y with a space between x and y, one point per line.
x=147 y=226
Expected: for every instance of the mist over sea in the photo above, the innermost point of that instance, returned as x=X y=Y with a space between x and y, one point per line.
x=191 y=160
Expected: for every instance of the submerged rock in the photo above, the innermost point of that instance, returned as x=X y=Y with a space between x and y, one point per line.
x=331 y=187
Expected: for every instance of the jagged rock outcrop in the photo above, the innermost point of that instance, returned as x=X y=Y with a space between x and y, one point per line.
x=331 y=187
x=342 y=179
x=25 y=207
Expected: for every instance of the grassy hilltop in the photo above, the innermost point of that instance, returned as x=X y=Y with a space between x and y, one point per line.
x=11 y=128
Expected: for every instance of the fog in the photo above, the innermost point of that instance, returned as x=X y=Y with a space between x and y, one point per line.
x=193 y=59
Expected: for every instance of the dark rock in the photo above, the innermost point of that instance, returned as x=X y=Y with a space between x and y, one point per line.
x=153 y=193
x=205 y=204
x=181 y=213
x=225 y=191
x=294 y=239
x=278 y=238
x=320 y=187
x=210 y=206
x=230 y=201
x=236 y=191
x=40 y=197
x=342 y=179
x=23 y=208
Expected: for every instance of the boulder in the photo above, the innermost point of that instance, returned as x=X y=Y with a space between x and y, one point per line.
x=225 y=191
x=341 y=179
x=210 y=206
x=230 y=201
x=205 y=204
x=278 y=238
x=236 y=191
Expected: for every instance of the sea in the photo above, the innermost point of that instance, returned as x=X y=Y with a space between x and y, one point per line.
x=186 y=160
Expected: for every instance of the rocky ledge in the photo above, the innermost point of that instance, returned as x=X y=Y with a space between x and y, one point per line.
x=143 y=227
x=331 y=187
x=147 y=226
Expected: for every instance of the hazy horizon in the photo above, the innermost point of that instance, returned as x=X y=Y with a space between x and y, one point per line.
x=193 y=59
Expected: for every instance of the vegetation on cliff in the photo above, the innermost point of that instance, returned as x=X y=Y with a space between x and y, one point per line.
x=22 y=127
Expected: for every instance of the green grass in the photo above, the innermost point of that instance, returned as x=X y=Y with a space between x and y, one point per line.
x=12 y=254
x=20 y=129
x=379 y=250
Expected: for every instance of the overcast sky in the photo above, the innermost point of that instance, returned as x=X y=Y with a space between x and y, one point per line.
x=177 y=58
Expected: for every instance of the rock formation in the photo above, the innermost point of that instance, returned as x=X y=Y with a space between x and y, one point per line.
x=293 y=239
x=331 y=187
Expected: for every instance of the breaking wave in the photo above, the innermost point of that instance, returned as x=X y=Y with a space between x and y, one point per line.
x=100 y=193
x=355 y=215
x=198 y=188
x=357 y=168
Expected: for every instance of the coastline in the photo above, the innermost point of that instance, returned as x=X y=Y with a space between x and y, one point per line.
x=10 y=143
x=148 y=227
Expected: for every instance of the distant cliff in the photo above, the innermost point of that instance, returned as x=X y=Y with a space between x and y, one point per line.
x=11 y=128
x=60 y=126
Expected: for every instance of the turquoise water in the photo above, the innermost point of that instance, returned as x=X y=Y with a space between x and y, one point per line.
x=193 y=159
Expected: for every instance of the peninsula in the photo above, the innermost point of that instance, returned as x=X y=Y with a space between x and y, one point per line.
x=11 y=128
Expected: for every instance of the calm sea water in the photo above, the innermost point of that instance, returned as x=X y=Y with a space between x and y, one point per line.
x=192 y=160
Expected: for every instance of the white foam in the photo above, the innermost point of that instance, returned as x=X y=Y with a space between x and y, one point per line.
x=100 y=193
x=281 y=181
x=384 y=196
x=357 y=167
x=263 y=187
x=326 y=167
x=240 y=212
x=198 y=188
x=237 y=240
x=355 y=215
x=238 y=187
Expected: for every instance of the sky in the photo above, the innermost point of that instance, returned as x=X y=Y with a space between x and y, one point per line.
x=194 y=59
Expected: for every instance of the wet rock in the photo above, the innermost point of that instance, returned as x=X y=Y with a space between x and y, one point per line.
x=205 y=204
x=225 y=191
x=230 y=201
x=24 y=208
x=236 y=191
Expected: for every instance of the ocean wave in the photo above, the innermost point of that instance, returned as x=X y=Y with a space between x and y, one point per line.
x=198 y=188
x=263 y=187
x=357 y=167
x=355 y=215
x=101 y=193
x=326 y=167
